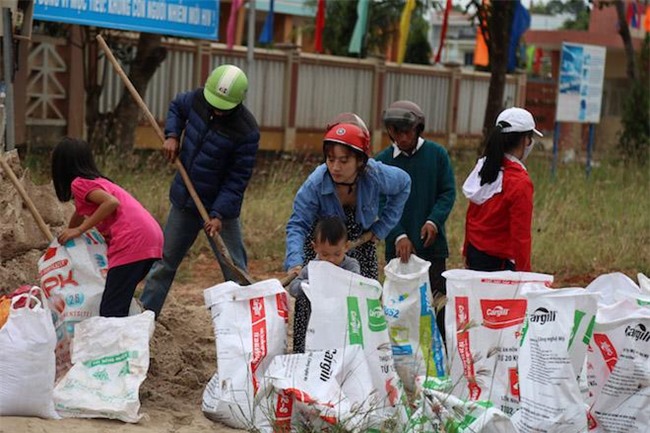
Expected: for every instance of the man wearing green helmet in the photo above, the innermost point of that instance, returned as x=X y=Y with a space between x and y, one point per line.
x=220 y=141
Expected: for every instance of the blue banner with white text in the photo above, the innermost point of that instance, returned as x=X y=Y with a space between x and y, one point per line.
x=184 y=18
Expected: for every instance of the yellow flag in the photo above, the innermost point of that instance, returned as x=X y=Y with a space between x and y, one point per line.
x=404 y=24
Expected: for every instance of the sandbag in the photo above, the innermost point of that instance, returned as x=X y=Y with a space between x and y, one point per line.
x=416 y=341
x=250 y=327
x=613 y=287
x=557 y=331
x=483 y=320
x=619 y=362
x=27 y=369
x=73 y=278
x=347 y=311
x=110 y=359
x=329 y=387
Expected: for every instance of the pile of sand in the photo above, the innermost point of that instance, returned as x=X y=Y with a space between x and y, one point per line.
x=21 y=241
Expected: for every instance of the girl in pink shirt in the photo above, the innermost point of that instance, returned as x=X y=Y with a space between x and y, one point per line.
x=133 y=236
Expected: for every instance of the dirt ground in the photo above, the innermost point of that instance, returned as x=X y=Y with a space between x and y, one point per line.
x=182 y=349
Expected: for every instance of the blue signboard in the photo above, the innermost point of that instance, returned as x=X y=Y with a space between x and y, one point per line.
x=185 y=18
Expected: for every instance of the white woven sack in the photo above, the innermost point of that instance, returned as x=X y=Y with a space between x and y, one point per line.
x=250 y=326
x=558 y=329
x=326 y=387
x=347 y=310
x=110 y=360
x=27 y=342
x=73 y=278
x=417 y=344
x=619 y=362
x=483 y=319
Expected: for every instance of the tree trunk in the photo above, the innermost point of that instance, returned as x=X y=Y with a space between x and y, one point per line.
x=624 y=31
x=500 y=21
x=150 y=54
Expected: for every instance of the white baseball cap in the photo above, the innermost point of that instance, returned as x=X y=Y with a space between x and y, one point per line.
x=520 y=120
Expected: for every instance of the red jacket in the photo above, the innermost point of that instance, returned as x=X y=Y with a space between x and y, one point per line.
x=501 y=224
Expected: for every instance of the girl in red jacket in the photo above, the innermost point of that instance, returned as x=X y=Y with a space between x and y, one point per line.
x=500 y=213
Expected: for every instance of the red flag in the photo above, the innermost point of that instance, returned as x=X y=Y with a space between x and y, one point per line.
x=232 y=23
x=320 y=25
x=537 y=63
x=443 y=32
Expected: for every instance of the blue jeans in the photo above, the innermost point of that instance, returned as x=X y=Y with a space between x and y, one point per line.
x=180 y=232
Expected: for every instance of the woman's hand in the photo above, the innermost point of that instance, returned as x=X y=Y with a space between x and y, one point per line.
x=68 y=234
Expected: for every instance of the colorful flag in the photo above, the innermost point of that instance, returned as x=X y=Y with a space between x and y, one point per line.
x=632 y=15
x=530 y=57
x=232 y=23
x=443 y=32
x=537 y=63
x=646 y=21
x=360 y=27
x=320 y=25
x=520 y=23
x=481 y=52
x=404 y=24
x=266 y=37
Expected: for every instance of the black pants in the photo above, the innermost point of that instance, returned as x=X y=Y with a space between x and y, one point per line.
x=121 y=282
x=479 y=261
x=438 y=291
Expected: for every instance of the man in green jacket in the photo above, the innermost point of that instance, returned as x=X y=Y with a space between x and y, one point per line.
x=421 y=230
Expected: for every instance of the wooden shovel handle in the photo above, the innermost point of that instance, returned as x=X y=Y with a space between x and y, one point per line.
x=221 y=247
x=28 y=201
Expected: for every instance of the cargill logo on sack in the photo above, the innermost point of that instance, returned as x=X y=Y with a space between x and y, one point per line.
x=639 y=332
x=326 y=365
x=502 y=313
x=376 y=318
x=542 y=315
x=355 y=333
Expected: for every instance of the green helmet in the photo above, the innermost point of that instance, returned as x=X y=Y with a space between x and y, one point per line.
x=226 y=87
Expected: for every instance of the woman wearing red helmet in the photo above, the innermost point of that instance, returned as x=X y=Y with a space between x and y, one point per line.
x=348 y=185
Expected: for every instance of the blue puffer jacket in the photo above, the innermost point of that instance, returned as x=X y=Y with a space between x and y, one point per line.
x=218 y=153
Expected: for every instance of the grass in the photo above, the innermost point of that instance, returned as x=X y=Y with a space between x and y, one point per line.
x=582 y=227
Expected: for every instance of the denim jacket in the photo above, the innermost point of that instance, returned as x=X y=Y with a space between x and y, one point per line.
x=317 y=198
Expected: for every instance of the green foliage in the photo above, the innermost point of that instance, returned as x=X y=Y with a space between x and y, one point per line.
x=418 y=49
x=340 y=18
x=581 y=21
x=383 y=22
x=634 y=141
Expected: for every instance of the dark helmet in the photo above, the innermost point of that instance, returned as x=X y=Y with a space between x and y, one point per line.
x=403 y=115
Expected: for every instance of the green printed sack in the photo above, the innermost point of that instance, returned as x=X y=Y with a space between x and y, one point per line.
x=110 y=359
x=416 y=341
x=347 y=311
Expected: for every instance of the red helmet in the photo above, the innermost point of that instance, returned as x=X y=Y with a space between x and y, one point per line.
x=351 y=135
